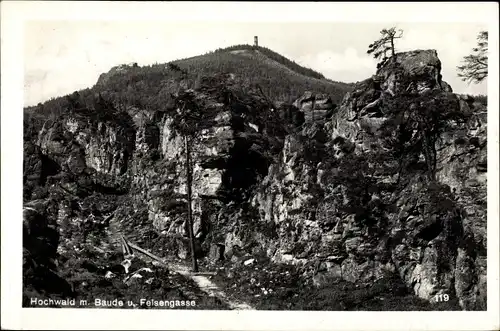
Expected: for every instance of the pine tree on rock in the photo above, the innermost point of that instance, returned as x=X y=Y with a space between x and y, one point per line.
x=380 y=47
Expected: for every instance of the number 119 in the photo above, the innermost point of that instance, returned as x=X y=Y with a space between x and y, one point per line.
x=442 y=297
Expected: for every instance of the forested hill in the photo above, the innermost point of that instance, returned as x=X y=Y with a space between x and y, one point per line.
x=280 y=78
x=276 y=57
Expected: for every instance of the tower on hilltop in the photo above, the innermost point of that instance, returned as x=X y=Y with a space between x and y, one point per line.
x=256 y=41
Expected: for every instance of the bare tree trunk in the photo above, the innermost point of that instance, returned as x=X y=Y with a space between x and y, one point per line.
x=190 y=213
x=312 y=107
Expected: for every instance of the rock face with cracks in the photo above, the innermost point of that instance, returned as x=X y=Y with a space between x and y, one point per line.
x=360 y=191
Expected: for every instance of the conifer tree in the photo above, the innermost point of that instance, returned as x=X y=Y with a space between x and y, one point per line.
x=474 y=67
x=380 y=47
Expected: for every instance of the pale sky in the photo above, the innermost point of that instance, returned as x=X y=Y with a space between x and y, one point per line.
x=63 y=56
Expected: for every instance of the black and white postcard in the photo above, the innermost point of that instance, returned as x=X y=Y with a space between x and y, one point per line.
x=250 y=165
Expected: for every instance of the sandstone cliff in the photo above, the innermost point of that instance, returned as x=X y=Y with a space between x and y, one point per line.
x=390 y=182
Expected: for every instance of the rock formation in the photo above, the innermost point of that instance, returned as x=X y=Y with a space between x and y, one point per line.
x=363 y=191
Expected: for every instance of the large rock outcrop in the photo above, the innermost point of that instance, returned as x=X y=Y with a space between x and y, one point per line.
x=337 y=198
x=462 y=165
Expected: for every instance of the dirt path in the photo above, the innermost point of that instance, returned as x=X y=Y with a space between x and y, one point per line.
x=203 y=282
x=207 y=286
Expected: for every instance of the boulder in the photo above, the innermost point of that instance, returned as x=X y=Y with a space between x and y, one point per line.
x=216 y=253
x=315 y=107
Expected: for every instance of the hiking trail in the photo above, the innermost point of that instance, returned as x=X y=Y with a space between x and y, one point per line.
x=201 y=279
